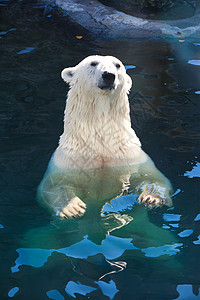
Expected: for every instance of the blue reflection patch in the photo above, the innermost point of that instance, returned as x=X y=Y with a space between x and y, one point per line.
x=55 y=295
x=13 y=292
x=31 y=257
x=186 y=233
x=159 y=251
x=194 y=173
x=198 y=241
x=197 y=218
x=120 y=204
x=185 y=292
x=171 y=217
x=78 y=288
x=108 y=289
x=112 y=247
x=26 y=50
x=5 y=32
x=195 y=62
x=174 y=225
x=165 y=226
x=82 y=249
x=130 y=67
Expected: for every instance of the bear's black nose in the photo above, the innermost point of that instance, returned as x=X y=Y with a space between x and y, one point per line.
x=108 y=77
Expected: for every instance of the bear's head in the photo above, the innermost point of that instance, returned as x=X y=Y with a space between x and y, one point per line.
x=98 y=74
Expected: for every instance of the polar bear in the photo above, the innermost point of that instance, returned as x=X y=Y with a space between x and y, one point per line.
x=99 y=156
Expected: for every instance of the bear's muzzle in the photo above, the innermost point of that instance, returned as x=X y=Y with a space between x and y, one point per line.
x=107 y=81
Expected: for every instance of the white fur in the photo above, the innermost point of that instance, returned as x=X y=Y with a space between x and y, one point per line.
x=97 y=126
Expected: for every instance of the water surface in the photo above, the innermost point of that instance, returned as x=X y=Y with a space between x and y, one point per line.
x=148 y=254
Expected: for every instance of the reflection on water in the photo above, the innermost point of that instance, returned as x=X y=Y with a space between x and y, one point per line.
x=26 y=50
x=195 y=172
x=187 y=291
x=111 y=248
x=194 y=62
x=128 y=250
x=13 y=292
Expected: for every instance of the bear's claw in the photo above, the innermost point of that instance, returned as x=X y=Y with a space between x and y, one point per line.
x=151 y=200
x=75 y=208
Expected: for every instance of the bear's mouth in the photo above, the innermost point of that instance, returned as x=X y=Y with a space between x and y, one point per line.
x=106 y=87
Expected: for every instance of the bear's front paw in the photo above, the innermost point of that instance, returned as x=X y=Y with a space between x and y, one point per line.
x=75 y=208
x=152 y=200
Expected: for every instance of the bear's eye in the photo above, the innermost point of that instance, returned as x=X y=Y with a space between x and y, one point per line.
x=117 y=66
x=94 y=63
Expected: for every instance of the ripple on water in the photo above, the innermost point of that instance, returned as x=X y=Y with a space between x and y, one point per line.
x=13 y=292
x=26 y=50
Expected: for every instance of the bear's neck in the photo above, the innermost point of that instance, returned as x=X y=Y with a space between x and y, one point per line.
x=97 y=125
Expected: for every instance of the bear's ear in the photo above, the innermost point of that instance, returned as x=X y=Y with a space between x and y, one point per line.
x=68 y=74
x=128 y=83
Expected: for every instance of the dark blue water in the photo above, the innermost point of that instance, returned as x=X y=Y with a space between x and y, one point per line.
x=145 y=254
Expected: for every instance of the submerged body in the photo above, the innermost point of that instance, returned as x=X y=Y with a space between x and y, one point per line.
x=99 y=156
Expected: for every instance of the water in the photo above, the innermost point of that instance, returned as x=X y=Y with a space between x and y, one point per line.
x=142 y=255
